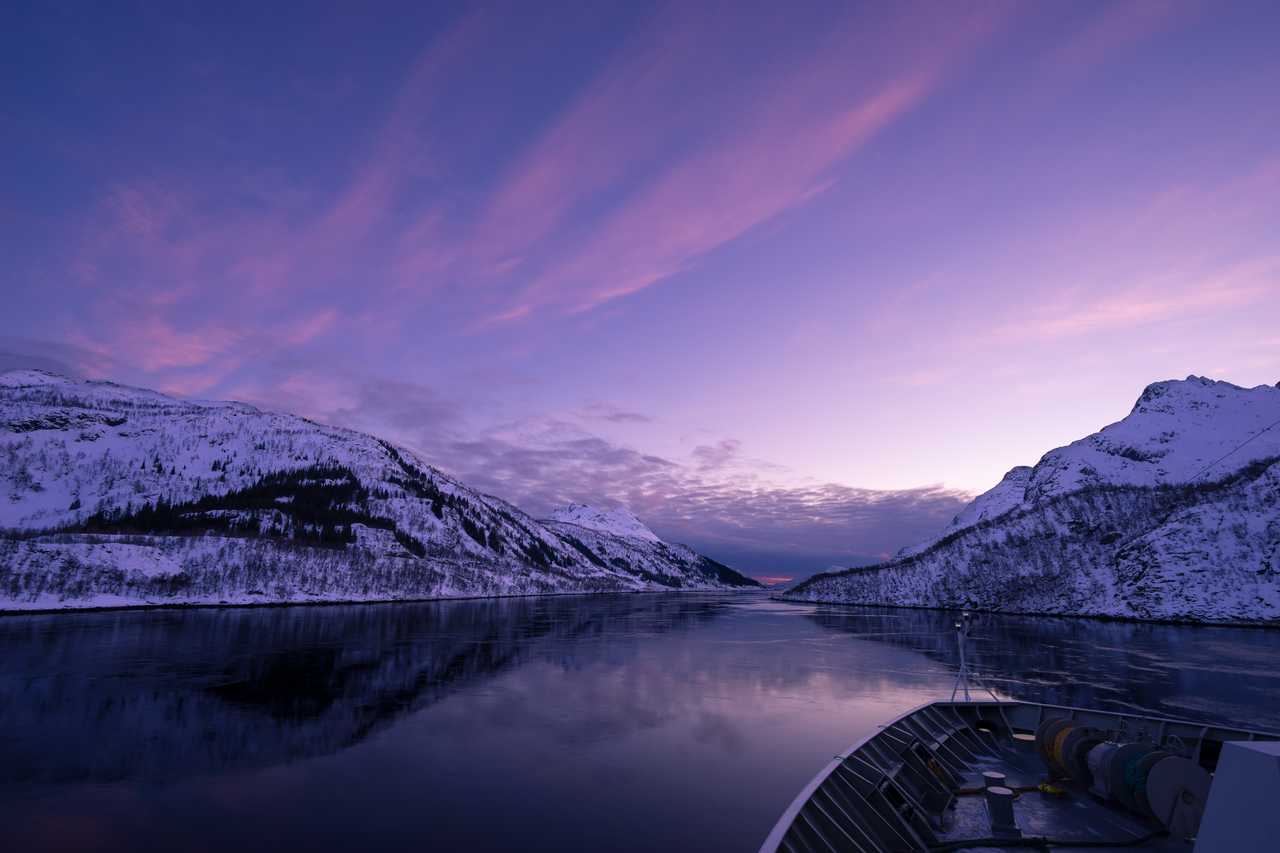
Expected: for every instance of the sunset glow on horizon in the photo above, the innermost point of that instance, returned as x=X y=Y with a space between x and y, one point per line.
x=791 y=283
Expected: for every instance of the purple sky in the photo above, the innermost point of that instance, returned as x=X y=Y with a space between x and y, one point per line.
x=789 y=280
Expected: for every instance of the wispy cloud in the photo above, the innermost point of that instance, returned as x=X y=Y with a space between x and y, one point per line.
x=176 y=278
x=713 y=197
x=795 y=527
x=716 y=498
x=1118 y=26
x=669 y=152
x=775 y=150
x=613 y=414
x=1144 y=304
x=613 y=131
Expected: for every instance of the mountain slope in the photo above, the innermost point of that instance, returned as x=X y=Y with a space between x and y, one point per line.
x=1176 y=430
x=618 y=540
x=616 y=522
x=1171 y=513
x=112 y=495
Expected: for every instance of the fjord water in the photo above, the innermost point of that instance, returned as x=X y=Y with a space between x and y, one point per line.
x=627 y=722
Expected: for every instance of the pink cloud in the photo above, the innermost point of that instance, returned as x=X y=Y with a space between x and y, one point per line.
x=399 y=150
x=191 y=384
x=170 y=250
x=155 y=344
x=675 y=191
x=143 y=212
x=1120 y=25
x=615 y=128
x=1153 y=303
x=774 y=580
x=309 y=328
x=776 y=152
x=144 y=222
x=710 y=199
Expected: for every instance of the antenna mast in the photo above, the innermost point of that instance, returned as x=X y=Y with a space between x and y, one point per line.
x=962 y=639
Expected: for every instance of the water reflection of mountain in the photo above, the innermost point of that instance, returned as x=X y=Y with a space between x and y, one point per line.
x=163 y=695
x=166 y=694
x=1227 y=675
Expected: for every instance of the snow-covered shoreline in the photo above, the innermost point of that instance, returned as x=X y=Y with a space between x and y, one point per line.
x=1265 y=625
x=6 y=608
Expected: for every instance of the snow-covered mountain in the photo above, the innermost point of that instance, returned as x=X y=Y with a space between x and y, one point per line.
x=1174 y=433
x=111 y=495
x=617 y=538
x=616 y=522
x=1171 y=513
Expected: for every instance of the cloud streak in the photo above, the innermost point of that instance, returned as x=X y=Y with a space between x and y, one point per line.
x=656 y=163
x=775 y=150
x=710 y=199
x=1145 y=304
x=1118 y=26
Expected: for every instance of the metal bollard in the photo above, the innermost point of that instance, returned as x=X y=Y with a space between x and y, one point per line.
x=993 y=778
x=1000 y=812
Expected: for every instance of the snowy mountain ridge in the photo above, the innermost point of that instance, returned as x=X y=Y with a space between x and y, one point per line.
x=1176 y=432
x=618 y=521
x=1171 y=513
x=111 y=495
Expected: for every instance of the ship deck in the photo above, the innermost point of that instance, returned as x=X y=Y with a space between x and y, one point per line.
x=1075 y=815
x=916 y=784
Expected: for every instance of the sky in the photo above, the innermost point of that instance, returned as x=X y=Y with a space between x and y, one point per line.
x=792 y=282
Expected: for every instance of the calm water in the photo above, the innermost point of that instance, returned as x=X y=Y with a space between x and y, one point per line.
x=684 y=722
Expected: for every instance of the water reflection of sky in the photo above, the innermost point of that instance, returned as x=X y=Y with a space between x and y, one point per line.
x=625 y=722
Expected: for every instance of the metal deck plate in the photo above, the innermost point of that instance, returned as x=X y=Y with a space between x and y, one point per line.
x=1076 y=815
